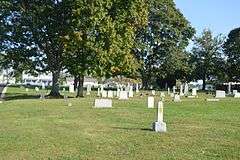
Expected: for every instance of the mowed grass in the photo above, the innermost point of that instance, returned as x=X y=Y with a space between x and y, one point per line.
x=49 y=129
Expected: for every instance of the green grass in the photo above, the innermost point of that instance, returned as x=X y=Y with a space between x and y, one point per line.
x=48 y=129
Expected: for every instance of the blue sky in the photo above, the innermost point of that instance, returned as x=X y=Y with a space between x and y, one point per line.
x=221 y=16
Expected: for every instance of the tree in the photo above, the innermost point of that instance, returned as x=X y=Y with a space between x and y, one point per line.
x=102 y=37
x=161 y=46
x=207 y=56
x=38 y=25
x=232 y=53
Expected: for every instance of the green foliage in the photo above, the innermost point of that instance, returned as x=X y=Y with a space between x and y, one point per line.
x=232 y=52
x=161 y=45
x=207 y=57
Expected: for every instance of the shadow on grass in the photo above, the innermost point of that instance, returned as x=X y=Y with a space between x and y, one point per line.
x=125 y=128
x=17 y=96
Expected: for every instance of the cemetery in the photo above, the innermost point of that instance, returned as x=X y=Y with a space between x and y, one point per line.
x=114 y=79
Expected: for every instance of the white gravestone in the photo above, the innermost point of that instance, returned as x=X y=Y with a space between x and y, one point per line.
x=36 y=89
x=123 y=95
x=150 y=102
x=234 y=92
x=98 y=92
x=229 y=88
x=110 y=94
x=186 y=89
x=153 y=92
x=237 y=95
x=220 y=94
x=174 y=89
x=103 y=103
x=118 y=92
x=104 y=94
x=194 y=92
x=212 y=100
x=26 y=89
x=177 y=98
x=181 y=90
x=71 y=88
x=159 y=125
x=88 y=89
x=130 y=94
x=168 y=91
x=43 y=85
x=137 y=89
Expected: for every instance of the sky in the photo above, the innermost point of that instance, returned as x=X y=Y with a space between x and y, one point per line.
x=220 y=16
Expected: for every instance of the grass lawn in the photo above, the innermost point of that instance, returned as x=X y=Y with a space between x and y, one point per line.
x=48 y=129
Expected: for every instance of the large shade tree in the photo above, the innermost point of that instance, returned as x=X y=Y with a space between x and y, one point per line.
x=102 y=37
x=232 y=53
x=161 y=45
x=207 y=57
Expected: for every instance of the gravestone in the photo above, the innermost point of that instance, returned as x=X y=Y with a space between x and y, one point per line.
x=88 y=89
x=237 y=95
x=118 y=92
x=130 y=94
x=220 y=94
x=123 y=95
x=174 y=89
x=234 y=92
x=150 y=102
x=69 y=104
x=159 y=125
x=43 y=86
x=110 y=94
x=101 y=88
x=229 y=88
x=114 y=93
x=168 y=91
x=26 y=89
x=191 y=96
x=103 y=103
x=186 y=89
x=42 y=96
x=71 y=88
x=153 y=92
x=104 y=94
x=171 y=95
x=181 y=90
x=194 y=92
x=98 y=92
x=137 y=89
x=177 y=98
x=36 y=89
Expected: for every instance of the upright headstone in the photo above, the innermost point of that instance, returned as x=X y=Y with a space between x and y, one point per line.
x=186 y=89
x=162 y=94
x=174 y=89
x=177 y=98
x=110 y=94
x=194 y=92
x=229 y=88
x=123 y=95
x=153 y=92
x=26 y=89
x=137 y=89
x=104 y=94
x=71 y=88
x=130 y=93
x=36 y=89
x=168 y=91
x=159 y=125
x=103 y=103
x=118 y=91
x=88 y=89
x=150 y=102
x=234 y=92
x=181 y=90
x=43 y=85
x=220 y=94
x=98 y=92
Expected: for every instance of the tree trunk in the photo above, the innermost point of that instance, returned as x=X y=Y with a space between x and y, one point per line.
x=204 y=83
x=75 y=82
x=80 y=86
x=55 y=84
